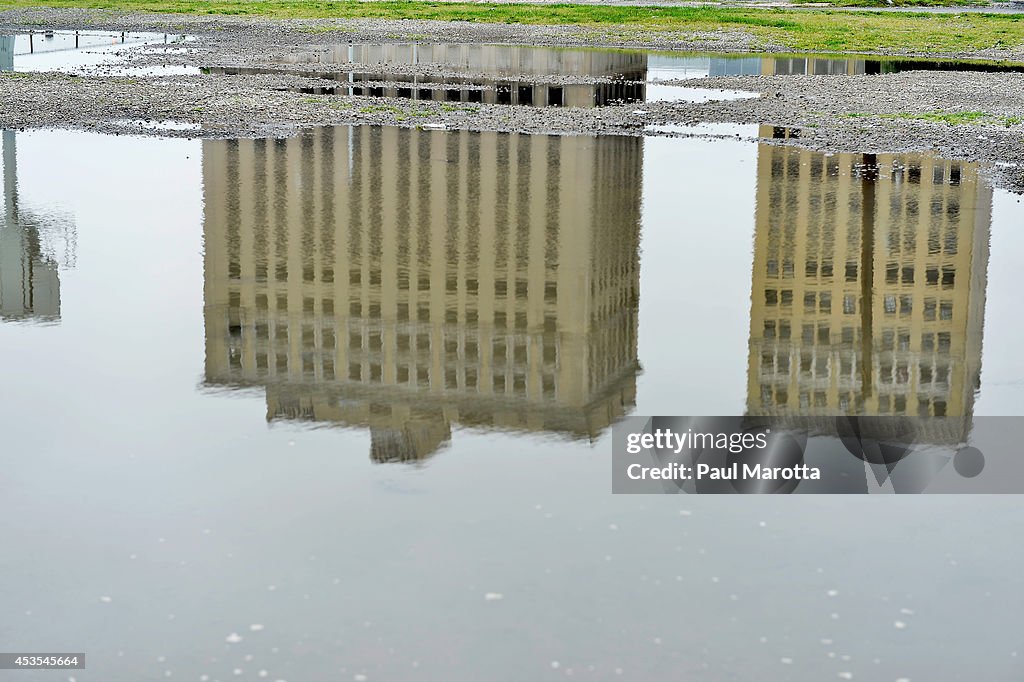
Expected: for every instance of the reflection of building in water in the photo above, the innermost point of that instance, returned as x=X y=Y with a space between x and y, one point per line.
x=403 y=280
x=6 y=53
x=503 y=67
x=699 y=66
x=868 y=284
x=29 y=283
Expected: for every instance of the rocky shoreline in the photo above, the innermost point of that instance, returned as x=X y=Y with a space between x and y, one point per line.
x=905 y=111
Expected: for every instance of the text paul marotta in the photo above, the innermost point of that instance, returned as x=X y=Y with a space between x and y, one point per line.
x=666 y=440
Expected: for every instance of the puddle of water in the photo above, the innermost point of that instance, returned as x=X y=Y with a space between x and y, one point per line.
x=509 y=72
x=468 y=90
x=485 y=305
x=669 y=93
x=69 y=51
x=741 y=130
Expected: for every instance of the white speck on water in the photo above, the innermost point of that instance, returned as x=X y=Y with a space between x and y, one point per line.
x=161 y=539
x=233 y=638
x=206 y=531
x=262 y=673
x=359 y=677
x=763 y=640
x=291 y=443
x=762 y=524
x=618 y=671
x=248 y=657
x=204 y=678
x=907 y=612
x=555 y=665
x=607 y=557
x=271 y=588
x=903 y=679
x=833 y=593
x=494 y=596
x=105 y=599
x=612 y=526
x=714 y=578
x=133 y=556
x=685 y=512
x=538 y=507
x=657 y=640
x=161 y=659
x=167 y=673
x=786 y=661
x=846 y=676
x=899 y=624
x=256 y=627
x=826 y=642
x=238 y=671
x=834 y=616
x=844 y=657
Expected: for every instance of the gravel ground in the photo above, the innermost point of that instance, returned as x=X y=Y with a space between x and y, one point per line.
x=837 y=113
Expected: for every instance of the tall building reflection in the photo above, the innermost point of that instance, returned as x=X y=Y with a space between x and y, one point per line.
x=869 y=284
x=29 y=279
x=6 y=53
x=407 y=280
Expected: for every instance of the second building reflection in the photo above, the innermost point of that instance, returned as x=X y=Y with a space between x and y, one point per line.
x=407 y=280
x=868 y=284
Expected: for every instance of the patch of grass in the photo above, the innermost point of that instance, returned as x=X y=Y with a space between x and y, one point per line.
x=416 y=113
x=14 y=75
x=380 y=109
x=801 y=30
x=952 y=118
x=455 y=108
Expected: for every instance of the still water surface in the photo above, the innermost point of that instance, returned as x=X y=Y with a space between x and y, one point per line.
x=337 y=406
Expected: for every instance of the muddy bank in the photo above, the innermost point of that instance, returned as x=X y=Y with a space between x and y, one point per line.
x=912 y=110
